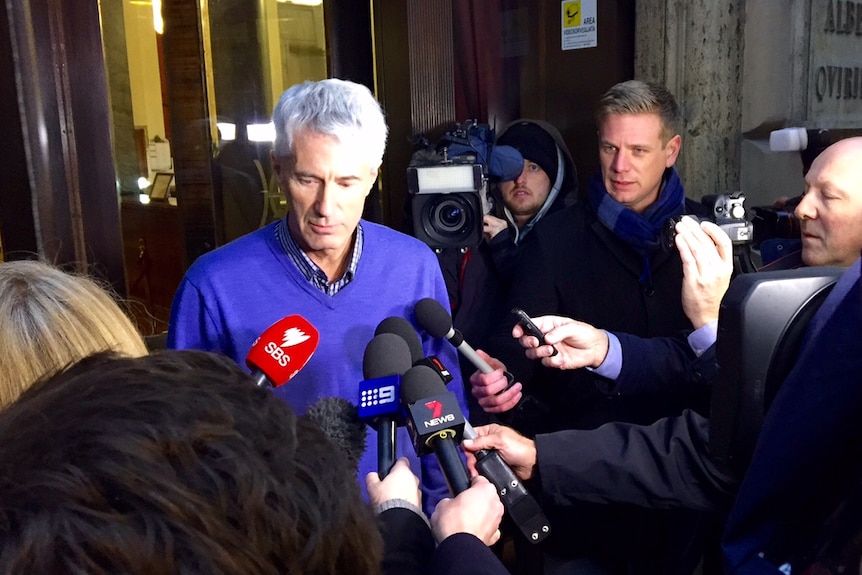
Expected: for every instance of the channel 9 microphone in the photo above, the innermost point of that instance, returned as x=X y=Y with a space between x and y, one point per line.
x=522 y=507
x=281 y=351
x=386 y=358
x=434 y=319
x=435 y=423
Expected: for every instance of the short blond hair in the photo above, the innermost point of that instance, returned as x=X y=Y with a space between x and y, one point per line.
x=50 y=319
x=637 y=97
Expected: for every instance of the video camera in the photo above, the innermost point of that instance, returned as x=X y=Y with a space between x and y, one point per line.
x=448 y=184
x=728 y=213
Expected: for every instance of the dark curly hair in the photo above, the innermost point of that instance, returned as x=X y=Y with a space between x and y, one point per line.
x=173 y=463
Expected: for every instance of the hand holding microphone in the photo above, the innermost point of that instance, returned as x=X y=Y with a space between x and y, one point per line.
x=434 y=318
x=521 y=506
x=282 y=350
x=477 y=511
x=494 y=391
x=400 y=483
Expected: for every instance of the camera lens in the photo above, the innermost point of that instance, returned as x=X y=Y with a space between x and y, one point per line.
x=449 y=216
x=448 y=220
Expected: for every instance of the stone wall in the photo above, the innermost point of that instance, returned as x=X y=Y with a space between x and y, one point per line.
x=695 y=48
x=745 y=67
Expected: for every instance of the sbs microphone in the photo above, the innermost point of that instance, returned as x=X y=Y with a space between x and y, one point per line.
x=386 y=358
x=282 y=350
x=434 y=319
x=435 y=423
x=339 y=420
x=521 y=506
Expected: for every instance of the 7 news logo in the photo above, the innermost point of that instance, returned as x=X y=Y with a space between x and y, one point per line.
x=437 y=417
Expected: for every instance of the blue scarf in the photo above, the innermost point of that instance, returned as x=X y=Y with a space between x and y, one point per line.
x=639 y=231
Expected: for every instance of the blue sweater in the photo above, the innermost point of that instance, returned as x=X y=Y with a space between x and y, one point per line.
x=229 y=296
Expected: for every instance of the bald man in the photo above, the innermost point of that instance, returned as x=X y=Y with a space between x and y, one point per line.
x=830 y=212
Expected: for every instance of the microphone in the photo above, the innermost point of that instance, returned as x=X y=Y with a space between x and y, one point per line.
x=339 y=420
x=401 y=327
x=434 y=319
x=522 y=508
x=435 y=422
x=282 y=350
x=386 y=357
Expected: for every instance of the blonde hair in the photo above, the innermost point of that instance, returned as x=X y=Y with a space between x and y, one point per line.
x=50 y=319
x=637 y=97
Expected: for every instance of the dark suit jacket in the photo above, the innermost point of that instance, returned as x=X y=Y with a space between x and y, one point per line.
x=409 y=549
x=809 y=452
x=572 y=265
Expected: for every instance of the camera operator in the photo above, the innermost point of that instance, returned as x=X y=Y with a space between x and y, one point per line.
x=477 y=278
x=547 y=183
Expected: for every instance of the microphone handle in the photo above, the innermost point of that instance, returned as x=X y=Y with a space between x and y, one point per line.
x=260 y=378
x=455 y=338
x=386 y=442
x=451 y=464
x=523 y=509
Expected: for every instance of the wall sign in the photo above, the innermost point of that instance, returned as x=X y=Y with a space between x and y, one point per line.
x=579 y=24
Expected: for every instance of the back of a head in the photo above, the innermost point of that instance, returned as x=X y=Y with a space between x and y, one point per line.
x=336 y=108
x=638 y=97
x=173 y=463
x=50 y=319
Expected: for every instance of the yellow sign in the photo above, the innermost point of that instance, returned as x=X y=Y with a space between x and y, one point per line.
x=572 y=14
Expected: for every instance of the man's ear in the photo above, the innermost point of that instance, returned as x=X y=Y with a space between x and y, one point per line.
x=374 y=173
x=672 y=150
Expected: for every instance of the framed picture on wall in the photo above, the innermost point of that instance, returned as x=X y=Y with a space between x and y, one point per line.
x=161 y=186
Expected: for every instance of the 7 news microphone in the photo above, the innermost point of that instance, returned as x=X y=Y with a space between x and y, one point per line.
x=432 y=410
x=435 y=423
x=386 y=358
x=282 y=350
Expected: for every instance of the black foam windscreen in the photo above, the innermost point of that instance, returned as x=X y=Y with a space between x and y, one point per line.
x=386 y=354
x=433 y=317
x=403 y=328
x=420 y=382
x=339 y=420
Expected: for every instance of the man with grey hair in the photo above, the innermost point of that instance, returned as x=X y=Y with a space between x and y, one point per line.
x=323 y=262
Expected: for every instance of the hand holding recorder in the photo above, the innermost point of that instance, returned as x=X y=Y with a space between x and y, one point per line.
x=579 y=344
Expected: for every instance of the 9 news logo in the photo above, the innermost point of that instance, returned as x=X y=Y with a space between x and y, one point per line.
x=377 y=396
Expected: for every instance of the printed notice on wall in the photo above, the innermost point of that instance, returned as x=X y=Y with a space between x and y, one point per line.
x=579 y=24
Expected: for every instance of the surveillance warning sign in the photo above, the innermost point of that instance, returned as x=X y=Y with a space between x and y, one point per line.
x=579 y=24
